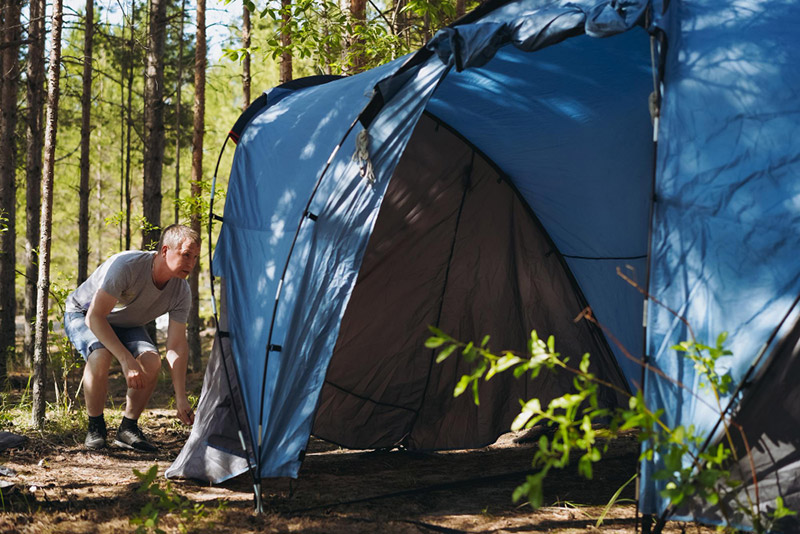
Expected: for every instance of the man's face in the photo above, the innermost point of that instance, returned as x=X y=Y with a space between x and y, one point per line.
x=181 y=259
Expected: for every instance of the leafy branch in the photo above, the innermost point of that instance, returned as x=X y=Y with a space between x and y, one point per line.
x=582 y=425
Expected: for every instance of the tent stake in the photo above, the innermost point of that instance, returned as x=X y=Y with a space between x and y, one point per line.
x=259 y=502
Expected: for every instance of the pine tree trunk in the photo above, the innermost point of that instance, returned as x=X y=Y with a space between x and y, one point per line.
x=129 y=124
x=246 y=60
x=121 y=142
x=178 y=116
x=86 y=107
x=33 y=166
x=43 y=283
x=358 y=17
x=286 y=42
x=193 y=329
x=154 y=135
x=8 y=188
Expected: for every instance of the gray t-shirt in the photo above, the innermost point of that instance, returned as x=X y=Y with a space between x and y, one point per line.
x=127 y=276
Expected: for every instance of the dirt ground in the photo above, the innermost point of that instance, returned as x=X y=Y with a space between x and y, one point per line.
x=56 y=485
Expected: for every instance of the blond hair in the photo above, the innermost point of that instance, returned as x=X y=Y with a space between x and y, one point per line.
x=175 y=234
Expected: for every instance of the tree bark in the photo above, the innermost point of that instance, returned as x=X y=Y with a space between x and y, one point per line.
x=246 y=60
x=154 y=135
x=358 y=18
x=198 y=130
x=86 y=134
x=121 y=142
x=43 y=283
x=286 y=42
x=8 y=188
x=129 y=124
x=33 y=166
x=178 y=116
x=461 y=8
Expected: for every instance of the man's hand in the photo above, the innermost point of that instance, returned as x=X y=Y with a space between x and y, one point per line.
x=184 y=410
x=133 y=372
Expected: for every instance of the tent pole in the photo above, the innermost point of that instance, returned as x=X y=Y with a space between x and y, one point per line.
x=657 y=66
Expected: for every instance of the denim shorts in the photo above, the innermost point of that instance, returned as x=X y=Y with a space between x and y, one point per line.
x=135 y=339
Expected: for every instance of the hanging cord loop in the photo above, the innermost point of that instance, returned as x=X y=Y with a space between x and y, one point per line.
x=361 y=157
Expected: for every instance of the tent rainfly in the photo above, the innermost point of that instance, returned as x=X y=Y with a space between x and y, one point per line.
x=494 y=182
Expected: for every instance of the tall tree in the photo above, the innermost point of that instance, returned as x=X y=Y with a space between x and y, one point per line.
x=33 y=165
x=121 y=143
x=86 y=132
x=8 y=188
x=43 y=282
x=246 y=59
x=286 y=41
x=198 y=130
x=129 y=123
x=154 y=134
x=179 y=85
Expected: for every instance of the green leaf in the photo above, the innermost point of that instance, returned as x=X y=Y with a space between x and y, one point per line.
x=584 y=365
x=781 y=510
x=445 y=352
x=507 y=361
x=585 y=466
x=531 y=408
x=434 y=342
x=461 y=387
x=436 y=331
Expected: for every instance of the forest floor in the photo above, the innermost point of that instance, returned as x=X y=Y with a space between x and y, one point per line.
x=55 y=485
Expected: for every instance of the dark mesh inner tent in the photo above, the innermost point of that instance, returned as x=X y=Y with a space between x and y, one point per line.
x=453 y=246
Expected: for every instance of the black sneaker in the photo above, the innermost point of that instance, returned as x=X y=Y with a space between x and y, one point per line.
x=96 y=435
x=133 y=439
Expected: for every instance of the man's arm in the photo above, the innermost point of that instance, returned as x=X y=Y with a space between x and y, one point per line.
x=97 y=321
x=178 y=359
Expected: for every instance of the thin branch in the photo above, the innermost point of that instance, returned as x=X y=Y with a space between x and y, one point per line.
x=648 y=296
x=388 y=22
x=15 y=43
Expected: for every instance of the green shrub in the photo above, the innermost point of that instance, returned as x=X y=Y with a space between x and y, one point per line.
x=580 y=421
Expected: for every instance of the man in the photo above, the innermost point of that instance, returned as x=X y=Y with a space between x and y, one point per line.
x=105 y=319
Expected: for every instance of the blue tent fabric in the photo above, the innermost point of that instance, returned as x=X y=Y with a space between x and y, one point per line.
x=723 y=254
x=531 y=26
x=554 y=95
x=256 y=240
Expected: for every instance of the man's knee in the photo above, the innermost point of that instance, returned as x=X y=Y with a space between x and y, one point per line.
x=151 y=363
x=99 y=361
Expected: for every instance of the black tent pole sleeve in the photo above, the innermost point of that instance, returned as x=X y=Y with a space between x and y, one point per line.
x=657 y=67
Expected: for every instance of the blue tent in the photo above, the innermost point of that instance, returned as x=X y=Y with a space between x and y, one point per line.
x=497 y=181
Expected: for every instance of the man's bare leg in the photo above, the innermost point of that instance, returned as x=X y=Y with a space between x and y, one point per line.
x=95 y=381
x=128 y=434
x=137 y=399
x=95 y=391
